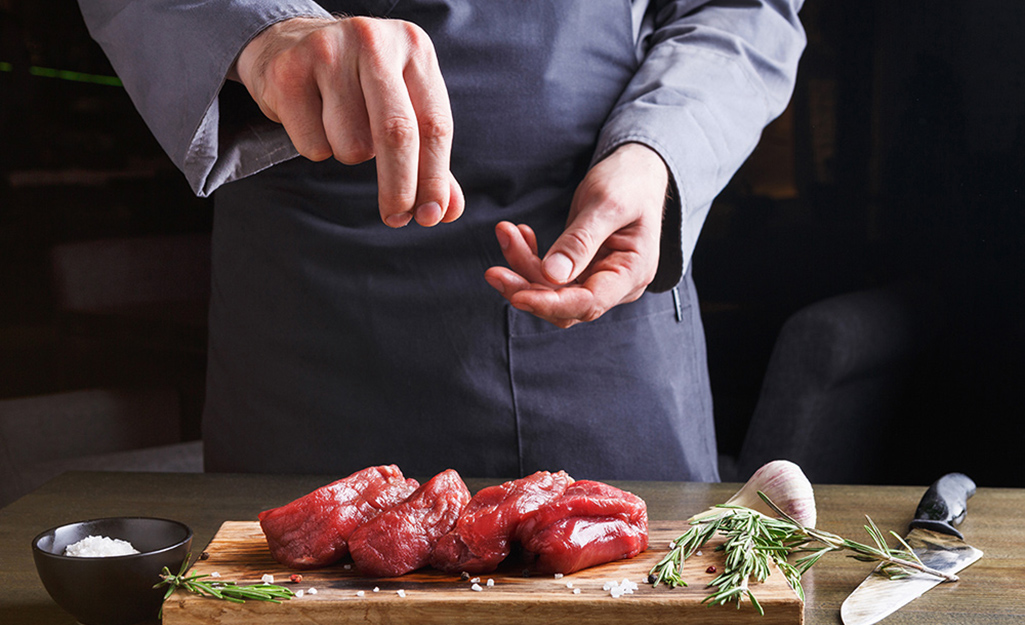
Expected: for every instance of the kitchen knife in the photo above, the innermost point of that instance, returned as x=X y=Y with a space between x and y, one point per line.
x=934 y=539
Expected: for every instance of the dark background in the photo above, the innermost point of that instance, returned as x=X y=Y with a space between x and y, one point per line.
x=900 y=159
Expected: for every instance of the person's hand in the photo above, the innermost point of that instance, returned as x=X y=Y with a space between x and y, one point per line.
x=608 y=253
x=355 y=89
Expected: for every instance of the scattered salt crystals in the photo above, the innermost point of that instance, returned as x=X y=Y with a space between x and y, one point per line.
x=267 y=578
x=299 y=593
x=576 y=591
x=376 y=589
x=475 y=580
x=400 y=592
x=569 y=584
x=491 y=582
x=215 y=574
x=558 y=576
x=360 y=593
x=99 y=547
x=347 y=567
x=476 y=588
x=312 y=591
x=699 y=553
x=618 y=589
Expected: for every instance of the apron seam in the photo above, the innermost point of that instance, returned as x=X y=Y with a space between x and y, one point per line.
x=512 y=390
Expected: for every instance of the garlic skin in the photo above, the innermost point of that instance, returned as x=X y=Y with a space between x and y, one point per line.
x=785 y=484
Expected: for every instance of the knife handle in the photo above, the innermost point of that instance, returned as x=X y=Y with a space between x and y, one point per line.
x=945 y=504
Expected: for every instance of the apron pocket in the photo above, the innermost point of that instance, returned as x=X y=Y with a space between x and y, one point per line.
x=623 y=397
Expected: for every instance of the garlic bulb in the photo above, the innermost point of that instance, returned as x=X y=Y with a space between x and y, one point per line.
x=784 y=483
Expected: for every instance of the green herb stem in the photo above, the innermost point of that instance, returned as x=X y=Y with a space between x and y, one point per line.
x=229 y=591
x=753 y=541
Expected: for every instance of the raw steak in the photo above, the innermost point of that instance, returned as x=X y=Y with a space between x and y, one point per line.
x=400 y=539
x=483 y=533
x=313 y=530
x=591 y=523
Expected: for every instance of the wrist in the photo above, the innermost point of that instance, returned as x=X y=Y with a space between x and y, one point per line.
x=644 y=160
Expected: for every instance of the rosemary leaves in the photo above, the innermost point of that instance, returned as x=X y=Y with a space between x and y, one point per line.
x=229 y=591
x=753 y=541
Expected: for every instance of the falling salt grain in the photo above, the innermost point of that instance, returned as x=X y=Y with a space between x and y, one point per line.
x=400 y=592
x=267 y=578
x=476 y=588
x=360 y=593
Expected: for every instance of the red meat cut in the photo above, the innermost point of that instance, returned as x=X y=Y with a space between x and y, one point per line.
x=313 y=531
x=591 y=523
x=400 y=539
x=483 y=534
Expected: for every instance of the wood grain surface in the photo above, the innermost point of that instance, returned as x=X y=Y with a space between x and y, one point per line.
x=239 y=553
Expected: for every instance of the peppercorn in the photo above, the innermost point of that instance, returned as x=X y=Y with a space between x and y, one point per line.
x=295 y=578
x=710 y=569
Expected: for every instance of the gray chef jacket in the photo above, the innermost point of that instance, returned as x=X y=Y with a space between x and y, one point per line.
x=337 y=343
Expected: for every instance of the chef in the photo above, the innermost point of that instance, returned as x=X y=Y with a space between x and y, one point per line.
x=456 y=233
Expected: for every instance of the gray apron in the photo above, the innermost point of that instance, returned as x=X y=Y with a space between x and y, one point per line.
x=337 y=343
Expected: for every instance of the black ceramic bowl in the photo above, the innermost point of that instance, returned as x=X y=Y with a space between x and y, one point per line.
x=111 y=590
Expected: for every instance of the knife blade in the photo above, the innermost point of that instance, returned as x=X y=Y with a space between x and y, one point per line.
x=934 y=539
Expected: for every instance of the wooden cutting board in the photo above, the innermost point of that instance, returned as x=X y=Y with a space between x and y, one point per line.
x=239 y=553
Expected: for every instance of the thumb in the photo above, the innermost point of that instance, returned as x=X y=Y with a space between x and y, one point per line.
x=574 y=250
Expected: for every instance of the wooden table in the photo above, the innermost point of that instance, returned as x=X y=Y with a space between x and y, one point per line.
x=991 y=592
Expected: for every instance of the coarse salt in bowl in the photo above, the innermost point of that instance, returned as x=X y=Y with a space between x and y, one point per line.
x=110 y=589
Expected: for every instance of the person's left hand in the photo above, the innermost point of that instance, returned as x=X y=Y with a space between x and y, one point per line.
x=608 y=253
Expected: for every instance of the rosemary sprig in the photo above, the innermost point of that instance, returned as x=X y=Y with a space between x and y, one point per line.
x=229 y=591
x=753 y=540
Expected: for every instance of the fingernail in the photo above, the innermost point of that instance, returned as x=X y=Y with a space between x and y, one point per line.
x=503 y=240
x=558 y=267
x=428 y=214
x=398 y=220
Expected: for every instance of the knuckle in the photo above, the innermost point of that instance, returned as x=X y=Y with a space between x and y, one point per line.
x=578 y=241
x=392 y=202
x=354 y=154
x=593 y=312
x=315 y=153
x=435 y=127
x=369 y=38
x=322 y=46
x=421 y=48
x=398 y=133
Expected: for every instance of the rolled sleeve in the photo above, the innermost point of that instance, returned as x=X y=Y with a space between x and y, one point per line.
x=714 y=75
x=173 y=58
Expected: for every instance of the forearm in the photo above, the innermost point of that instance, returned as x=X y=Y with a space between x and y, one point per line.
x=715 y=75
x=173 y=58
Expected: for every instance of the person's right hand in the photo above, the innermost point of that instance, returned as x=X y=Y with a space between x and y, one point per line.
x=358 y=88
